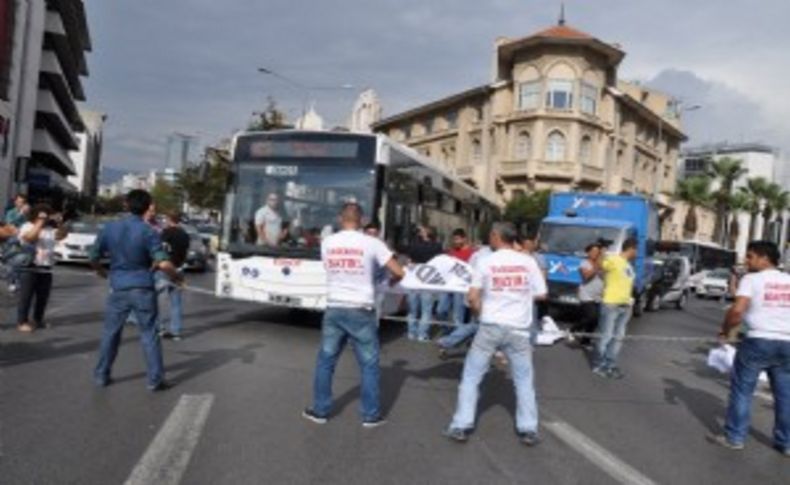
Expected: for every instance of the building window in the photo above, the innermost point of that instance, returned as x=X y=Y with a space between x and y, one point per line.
x=585 y=150
x=477 y=150
x=529 y=95
x=559 y=94
x=523 y=146
x=555 y=146
x=452 y=120
x=589 y=98
x=477 y=114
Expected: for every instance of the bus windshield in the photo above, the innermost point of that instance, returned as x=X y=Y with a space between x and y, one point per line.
x=284 y=207
x=571 y=240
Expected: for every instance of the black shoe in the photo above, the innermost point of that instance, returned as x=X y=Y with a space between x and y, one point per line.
x=103 y=382
x=165 y=335
x=783 y=451
x=615 y=373
x=724 y=442
x=457 y=434
x=162 y=386
x=310 y=415
x=373 y=423
x=528 y=438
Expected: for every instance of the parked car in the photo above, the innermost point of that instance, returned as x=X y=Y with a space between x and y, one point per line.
x=715 y=284
x=209 y=233
x=76 y=246
x=197 y=255
x=671 y=283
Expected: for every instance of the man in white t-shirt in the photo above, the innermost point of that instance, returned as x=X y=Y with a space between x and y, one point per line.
x=762 y=303
x=350 y=259
x=269 y=223
x=502 y=294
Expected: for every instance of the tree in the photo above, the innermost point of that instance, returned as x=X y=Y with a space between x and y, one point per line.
x=269 y=119
x=204 y=185
x=167 y=197
x=739 y=202
x=110 y=205
x=529 y=209
x=754 y=191
x=694 y=191
x=726 y=171
x=775 y=201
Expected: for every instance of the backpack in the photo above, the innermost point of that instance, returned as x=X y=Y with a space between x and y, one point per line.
x=16 y=254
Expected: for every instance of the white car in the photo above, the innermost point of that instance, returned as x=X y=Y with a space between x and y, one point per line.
x=715 y=284
x=75 y=248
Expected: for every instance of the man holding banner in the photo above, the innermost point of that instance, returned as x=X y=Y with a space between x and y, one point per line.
x=502 y=293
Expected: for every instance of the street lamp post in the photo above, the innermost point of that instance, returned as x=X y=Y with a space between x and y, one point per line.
x=304 y=88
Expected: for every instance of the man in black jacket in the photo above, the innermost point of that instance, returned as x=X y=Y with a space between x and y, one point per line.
x=176 y=242
x=421 y=303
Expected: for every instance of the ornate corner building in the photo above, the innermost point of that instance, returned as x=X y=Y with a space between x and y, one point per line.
x=555 y=116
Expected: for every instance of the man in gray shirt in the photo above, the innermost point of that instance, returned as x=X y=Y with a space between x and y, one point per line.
x=590 y=292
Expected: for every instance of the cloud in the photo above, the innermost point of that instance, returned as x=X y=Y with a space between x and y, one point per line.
x=159 y=67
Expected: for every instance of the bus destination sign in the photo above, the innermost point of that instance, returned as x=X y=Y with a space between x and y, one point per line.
x=302 y=149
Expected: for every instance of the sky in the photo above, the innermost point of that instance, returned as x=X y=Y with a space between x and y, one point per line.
x=191 y=66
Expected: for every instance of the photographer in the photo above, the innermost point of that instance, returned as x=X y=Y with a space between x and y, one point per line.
x=41 y=232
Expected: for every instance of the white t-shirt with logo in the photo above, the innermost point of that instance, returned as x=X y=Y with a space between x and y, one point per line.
x=351 y=259
x=45 y=246
x=272 y=224
x=768 y=315
x=509 y=281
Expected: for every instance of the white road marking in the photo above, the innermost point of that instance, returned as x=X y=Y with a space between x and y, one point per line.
x=596 y=454
x=167 y=457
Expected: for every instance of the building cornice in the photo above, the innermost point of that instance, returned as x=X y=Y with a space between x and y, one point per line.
x=432 y=106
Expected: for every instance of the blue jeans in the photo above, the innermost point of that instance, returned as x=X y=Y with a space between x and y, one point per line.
x=611 y=325
x=754 y=356
x=174 y=293
x=455 y=302
x=120 y=304
x=515 y=344
x=339 y=326
x=420 y=308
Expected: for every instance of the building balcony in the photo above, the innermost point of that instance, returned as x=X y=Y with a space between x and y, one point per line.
x=53 y=79
x=514 y=168
x=52 y=116
x=555 y=170
x=592 y=174
x=465 y=171
x=48 y=152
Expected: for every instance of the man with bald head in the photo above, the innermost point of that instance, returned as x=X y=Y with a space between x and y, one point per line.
x=350 y=259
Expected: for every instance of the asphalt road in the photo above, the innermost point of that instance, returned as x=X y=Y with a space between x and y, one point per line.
x=247 y=372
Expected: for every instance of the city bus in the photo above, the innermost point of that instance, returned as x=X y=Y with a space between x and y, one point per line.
x=286 y=189
x=703 y=256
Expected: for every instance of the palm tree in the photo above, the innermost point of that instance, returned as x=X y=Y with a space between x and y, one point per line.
x=726 y=171
x=754 y=191
x=775 y=202
x=739 y=202
x=694 y=191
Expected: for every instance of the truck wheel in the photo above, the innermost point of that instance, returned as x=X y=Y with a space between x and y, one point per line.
x=681 y=303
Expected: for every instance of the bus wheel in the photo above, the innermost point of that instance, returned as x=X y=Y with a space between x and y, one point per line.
x=681 y=303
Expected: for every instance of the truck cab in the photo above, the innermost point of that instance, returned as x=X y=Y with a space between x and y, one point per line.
x=576 y=220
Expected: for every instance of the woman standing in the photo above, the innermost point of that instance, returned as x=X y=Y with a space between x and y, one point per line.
x=41 y=232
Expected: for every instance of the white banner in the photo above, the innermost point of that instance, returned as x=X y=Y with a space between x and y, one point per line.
x=442 y=273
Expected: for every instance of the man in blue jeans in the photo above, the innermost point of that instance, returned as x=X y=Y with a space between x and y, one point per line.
x=421 y=302
x=762 y=303
x=176 y=242
x=135 y=252
x=350 y=259
x=502 y=293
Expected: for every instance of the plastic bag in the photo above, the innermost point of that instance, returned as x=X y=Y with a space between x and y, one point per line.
x=549 y=333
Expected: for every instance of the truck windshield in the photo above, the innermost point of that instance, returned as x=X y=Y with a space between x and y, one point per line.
x=567 y=239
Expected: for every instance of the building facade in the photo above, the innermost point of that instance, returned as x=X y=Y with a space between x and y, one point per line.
x=87 y=160
x=45 y=63
x=554 y=116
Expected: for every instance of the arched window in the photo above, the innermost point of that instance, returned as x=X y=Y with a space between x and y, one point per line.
x=559 y=87
x=555 y=146
x=477 y=150
x=585 y=150
x=523 y=146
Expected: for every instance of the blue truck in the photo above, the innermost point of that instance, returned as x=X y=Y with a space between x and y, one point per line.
x=576 y=219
